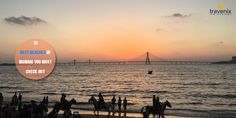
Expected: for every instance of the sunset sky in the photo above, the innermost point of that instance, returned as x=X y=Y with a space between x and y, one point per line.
x=120 y=29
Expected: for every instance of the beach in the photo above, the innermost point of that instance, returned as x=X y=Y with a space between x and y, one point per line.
x=193 y=90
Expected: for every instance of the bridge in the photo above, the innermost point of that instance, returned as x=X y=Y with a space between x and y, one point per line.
x=146 y=58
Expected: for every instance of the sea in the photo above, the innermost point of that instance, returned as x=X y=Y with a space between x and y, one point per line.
x=194 y=90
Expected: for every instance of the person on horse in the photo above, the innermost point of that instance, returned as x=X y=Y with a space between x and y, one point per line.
x=101 y=100
x=63 y=99
x=155 y=103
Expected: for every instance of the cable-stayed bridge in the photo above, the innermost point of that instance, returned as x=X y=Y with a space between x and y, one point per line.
x=145 y=58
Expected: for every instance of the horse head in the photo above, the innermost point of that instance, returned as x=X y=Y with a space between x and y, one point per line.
x=168 y=104
x=73 y=101
x=91 y=99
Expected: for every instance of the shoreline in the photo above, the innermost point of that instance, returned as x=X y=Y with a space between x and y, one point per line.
x=103 y=114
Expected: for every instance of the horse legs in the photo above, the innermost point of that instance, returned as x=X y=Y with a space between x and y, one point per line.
x=94 y=112
x=153 y=115
x=108 y=113
x=162 y=115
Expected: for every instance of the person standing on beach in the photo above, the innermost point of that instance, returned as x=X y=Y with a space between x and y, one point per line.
x=20 y=98
x=20 y=102
x=119 y=103
x=125 y=104
x=14 y=99
x=113 y=102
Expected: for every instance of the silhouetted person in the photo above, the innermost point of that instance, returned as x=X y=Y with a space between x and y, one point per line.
x=14 y=99
x=119 y=103
x=44 y=99
x=47 y=100
x=158 y=104
x=20 y=98
x=20 y=102
x=125 y=103
x=101 y=100
x=1 y=101
x=63 y=98
x=113 y=102
x=119 y=106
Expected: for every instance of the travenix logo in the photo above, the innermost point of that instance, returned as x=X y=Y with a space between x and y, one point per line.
x=220 y=10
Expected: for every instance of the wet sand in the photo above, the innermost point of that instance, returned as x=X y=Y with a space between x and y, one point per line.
x=102 y=114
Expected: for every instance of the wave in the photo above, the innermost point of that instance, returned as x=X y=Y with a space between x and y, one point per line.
x=74 y=74
x=227 y=96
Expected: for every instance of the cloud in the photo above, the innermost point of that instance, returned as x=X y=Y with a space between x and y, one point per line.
x=24 y=20
x=179 y=15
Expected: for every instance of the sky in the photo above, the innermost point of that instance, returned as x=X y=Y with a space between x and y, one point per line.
x=120 y=29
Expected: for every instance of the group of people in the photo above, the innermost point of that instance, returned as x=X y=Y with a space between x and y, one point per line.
x=18 y=110
x=119 y=102
x=113 y=102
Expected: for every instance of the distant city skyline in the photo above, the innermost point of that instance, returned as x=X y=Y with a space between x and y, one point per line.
x=121 y=29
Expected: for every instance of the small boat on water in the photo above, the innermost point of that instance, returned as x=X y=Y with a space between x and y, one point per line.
x=150 y=72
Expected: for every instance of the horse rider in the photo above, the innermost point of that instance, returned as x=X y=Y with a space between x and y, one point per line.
x=155 y=103
x=158 y=104
x=63 y=99
x=101 y=100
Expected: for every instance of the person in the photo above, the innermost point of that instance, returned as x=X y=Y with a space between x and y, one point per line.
x=15 y=99
x=113 y=101
x=46 y=101
x=154 y=104
x=119 y=103
x=20 y=98
x=101 y=100
x=1 y=101
x=158 y=104
x=63 y=98
x=125 y=103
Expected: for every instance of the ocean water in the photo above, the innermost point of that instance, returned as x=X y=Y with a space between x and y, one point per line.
x=193 y=90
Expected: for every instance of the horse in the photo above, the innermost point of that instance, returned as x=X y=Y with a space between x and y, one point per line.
x=97 y=107
x=147 y=110
x=66 y=106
